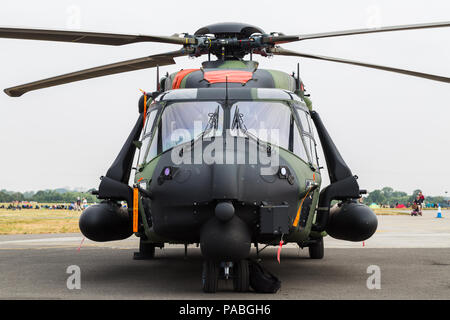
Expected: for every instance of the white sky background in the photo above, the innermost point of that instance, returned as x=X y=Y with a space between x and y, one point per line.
x=392 y=130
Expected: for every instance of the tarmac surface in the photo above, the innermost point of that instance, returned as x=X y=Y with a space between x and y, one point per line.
x=412 y=254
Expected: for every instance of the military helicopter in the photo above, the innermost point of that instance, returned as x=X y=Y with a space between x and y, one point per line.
x=226 y=152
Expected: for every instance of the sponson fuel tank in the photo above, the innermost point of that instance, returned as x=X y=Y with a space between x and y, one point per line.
x=106 y=221
x=351 y=221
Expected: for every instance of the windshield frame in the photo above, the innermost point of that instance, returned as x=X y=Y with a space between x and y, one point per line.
x=227 y=106
x=296 y=108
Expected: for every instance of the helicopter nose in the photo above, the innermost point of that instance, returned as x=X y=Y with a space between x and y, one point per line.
x=224 y=211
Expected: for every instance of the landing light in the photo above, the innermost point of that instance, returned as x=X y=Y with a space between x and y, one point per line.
x=167 y=171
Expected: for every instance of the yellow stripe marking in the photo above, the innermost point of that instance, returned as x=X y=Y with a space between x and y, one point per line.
x=145 y=107
x=135 y=209
x=300 y=209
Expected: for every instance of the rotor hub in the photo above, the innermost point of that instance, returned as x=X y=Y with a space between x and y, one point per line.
x=229 y=30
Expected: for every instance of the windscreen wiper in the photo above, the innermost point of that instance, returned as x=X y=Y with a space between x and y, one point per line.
x=238 y=121
x=213 y=124
x=213 y=121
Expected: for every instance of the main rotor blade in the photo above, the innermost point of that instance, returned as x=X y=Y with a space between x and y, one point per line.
x=285 y=52
x=88 y=37
x=119 y=67
x=287 y=38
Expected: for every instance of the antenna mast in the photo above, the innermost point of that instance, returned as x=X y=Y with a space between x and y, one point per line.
x=158 y=85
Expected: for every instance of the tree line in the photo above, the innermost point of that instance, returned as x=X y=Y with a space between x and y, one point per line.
x=389 y=196
x=47 y=196
x=385 y=196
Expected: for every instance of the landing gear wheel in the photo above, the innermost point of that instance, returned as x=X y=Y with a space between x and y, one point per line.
x=316 y=250
x=210 y=276
x=241 y=276
x=146 y=251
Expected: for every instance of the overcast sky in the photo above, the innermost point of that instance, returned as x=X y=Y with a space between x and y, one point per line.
x=392 y=130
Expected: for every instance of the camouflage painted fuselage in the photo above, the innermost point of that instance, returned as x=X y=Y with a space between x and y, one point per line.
x=183 y=202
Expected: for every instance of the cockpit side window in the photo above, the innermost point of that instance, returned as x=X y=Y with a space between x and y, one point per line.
x=298 y=145
x=147 y=135
x=304 y=120
x=307 y=134
x=150 y=121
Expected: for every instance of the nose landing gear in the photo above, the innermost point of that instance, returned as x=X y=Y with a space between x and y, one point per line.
x=210 y=276
x=213 y=271
x=146 y=250
x=241 y=276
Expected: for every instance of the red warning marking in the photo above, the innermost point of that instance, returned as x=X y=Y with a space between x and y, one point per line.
x=279 y=251
x=80 y=245
x=180 y=76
